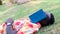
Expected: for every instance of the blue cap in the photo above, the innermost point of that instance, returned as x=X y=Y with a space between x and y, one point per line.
x=37 y=16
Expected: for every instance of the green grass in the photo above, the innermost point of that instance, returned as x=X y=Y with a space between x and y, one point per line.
x=24 y=10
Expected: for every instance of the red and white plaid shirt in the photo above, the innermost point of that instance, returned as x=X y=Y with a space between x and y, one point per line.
x=23 y=26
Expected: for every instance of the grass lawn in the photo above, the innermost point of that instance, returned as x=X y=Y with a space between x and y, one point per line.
x=24 y=10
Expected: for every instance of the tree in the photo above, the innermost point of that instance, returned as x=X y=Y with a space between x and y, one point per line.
x=0 y=2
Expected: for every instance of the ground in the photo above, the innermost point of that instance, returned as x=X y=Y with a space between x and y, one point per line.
x=24 y=10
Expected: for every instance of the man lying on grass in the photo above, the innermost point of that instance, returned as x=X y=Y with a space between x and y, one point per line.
x=27 y=25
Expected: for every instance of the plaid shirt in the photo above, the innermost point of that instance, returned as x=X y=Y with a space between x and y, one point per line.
x=25 y=26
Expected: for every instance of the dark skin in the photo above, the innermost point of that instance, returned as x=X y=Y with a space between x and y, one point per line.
x=9 y=28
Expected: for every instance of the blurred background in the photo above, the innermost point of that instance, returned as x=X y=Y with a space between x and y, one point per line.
x=23 y=8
